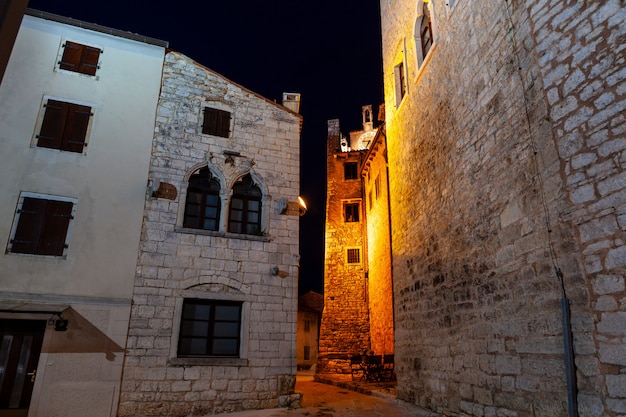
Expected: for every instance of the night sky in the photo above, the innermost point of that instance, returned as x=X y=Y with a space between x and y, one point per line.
x=329 y=51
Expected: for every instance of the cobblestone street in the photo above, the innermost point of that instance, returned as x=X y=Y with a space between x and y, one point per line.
x=338 y=397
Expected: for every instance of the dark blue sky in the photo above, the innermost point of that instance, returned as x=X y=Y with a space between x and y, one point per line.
x=329 y=51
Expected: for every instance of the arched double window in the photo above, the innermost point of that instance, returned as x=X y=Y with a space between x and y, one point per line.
x=202 y=208
x=245 y=207
x=423 y=31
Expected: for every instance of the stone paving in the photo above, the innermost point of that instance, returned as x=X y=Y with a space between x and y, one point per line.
x=339 y=396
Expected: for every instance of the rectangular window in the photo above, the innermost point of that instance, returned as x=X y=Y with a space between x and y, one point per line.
x=210 y=328
x=400 y=82
x=64 y=126
x=80 y=58
x=350 y=171
x=41 y=226
x=307 y=353
x=307 y=325
x=351 y=212
x=353 y=255
x=216 y=122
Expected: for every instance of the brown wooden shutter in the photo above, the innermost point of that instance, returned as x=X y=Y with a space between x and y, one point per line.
x=80 y=58
x=53 y=125
x=29 y=226
x=89 y=60
x=71 y=56
x=216 y=122
x=54 y=231
x=75 y=128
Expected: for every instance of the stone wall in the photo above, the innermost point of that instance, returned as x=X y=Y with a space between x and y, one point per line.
x=506 y=171
x=175 y=263
x=380 y=294
x=345 y=325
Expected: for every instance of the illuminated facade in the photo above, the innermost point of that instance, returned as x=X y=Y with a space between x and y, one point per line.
x=505 y=126
x=358 y=315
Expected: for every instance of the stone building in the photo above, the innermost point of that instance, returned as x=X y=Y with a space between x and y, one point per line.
x=213 y=321
x=310 y=307
x=505 y=129
x=77 y=110
x=358 y=315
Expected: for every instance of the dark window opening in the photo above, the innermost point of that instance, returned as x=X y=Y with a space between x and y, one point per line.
x=245 y=208
x=80 y=58
x=64 y=126
x=351 y=212
x=42 y=227
x=216 y=122
x=354 y=256
x=203 y=205
x=400 y=82
x=426 y=31
x=350 y=171
x=307 y=353
x=209 y=328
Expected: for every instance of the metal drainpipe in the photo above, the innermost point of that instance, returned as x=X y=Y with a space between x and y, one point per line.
x=568 y=345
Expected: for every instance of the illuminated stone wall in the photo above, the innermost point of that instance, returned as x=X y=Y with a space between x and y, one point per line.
x=345 y=325
x=506 y=166
x=378 y=248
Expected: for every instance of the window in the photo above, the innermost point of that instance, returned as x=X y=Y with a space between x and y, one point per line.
x=209 y=328
x=353 y=255
x=350 y=171
x=80 y=58
x=377 y=186
x=64 y=126
x=245 y=208
x=216 y=122
x=307 y=325
x=351 y=212
x=41 y=226
x=400 y=82
x=202 y=207
x=307 y=353
x=423 y=32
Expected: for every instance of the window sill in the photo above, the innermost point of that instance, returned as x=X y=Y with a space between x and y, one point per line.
x=217 y=361
x=242 y=236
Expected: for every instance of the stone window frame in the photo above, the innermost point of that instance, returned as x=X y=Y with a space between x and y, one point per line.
x=60 y=54
x=67 y=230
x=421 y=59
x=400 y=81
x=244 y=336
x=217 y=105
x=42 y=116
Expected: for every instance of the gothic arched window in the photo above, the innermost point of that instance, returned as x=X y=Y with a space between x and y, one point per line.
x=202 y=208
x=245 y=208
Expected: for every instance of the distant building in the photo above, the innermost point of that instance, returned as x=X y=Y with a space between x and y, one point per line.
x=213 y=322
x=505 y=130
x=358 y=314
x=310 y=307
x=77 y=110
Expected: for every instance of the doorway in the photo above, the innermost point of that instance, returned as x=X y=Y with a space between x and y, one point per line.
x=20 y=346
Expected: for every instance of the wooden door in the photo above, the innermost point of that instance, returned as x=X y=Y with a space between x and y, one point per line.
x=20 y=346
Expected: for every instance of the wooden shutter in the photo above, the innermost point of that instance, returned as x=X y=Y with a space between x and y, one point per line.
x=32 y=215
x=89 y=60
x=80 y=58
x=42 y=227
x=53 y=125
x=76 y=128
x=64 y=126
x=216 y=122
x=54 y=230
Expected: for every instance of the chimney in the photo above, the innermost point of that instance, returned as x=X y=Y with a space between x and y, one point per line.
x=292 y=101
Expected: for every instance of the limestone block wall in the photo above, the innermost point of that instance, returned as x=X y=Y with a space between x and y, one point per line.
x=506 y=170
x=345 y=321
x=175 y=263
x=379 y=276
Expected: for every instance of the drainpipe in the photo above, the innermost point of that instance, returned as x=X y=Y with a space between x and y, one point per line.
x=568 y=345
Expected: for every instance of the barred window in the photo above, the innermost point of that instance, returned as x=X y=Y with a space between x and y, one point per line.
x=353 y=255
